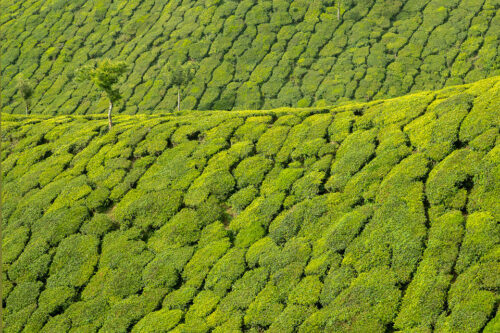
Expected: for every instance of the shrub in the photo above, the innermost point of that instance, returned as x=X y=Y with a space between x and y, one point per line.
x=426 y=295
x=226 y=271
x=219 y=183
x=32 y=264
x=99 y=225
x=164 y=270
x=319 y=263
x=291 y=317
x=241 y=199
x=337 y=280
x=251 y=171
x=288 y=223
x=353 y=153
x=308 y=148
x=370 y=302
x=23 y=295
x=308 y=186
x=450 y=175
x=306 y=292
x=264 y=310
x=199 y=266
x=480 y=118
x=286 y=277
x=183 y=229
x=260 y=212
x=263 y=253
x=98 y=199
x=470 y=299
x=438 y=136
x=13 y=243
x=211 y=233
x=121 y=264
x=74 y=261
x=241 y=149
x=245 y=289
x=248 y=235
x=145 y=209
x=124 y=313
x=203 y=304
x=481 y=235
x=270 y=142
x=345 y=229
x=58 y=323
x=159 y=321
x=179 y=298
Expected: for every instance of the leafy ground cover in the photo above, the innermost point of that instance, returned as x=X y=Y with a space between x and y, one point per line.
x=368 y=217
x=250 y=54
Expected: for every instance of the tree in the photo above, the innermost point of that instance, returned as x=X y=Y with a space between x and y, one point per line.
x=26 y=91
x=180 y=75
x=105 y=76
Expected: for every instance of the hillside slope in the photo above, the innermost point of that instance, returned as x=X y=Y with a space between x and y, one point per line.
x=362 y=218
x=252 y=54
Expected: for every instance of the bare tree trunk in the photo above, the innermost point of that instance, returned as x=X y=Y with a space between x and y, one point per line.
x=110 y=122
x=27 y=107
x=178 y=98
x=338 y=10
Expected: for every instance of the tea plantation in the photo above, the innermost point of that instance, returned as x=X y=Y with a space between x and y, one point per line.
x=250 y=54
x=367 y=217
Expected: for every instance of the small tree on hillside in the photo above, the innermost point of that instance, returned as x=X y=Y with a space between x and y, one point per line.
x=26 y=92
x=105 y=76
x=180 y=75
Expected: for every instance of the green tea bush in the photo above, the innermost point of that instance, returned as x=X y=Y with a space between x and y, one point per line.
x=251 y=171
x=481 y=235
x=241 y=199
x=199 y=266
x=162 y=320
x=73 y=263
x=226 y=271
x=137 y=207
x=32 y=264
x=264 y=309
x=308 y=186
x=352 y=154
x=368 y=303
x=280 y=182
x=99 y=225
x=181 y=230
x=306 y=292
x=164 y=270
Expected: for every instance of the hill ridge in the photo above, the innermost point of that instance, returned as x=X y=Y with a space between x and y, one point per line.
x=252 y=54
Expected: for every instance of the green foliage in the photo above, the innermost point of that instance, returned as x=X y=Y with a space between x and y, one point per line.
x=264 y=309
x=306 y=292
x=360 y=217
x=105 y=75
x=251 y=171
x=74 y=262
x=147 y=209
x=159 y=321
x=26 y=91
x=241 y=199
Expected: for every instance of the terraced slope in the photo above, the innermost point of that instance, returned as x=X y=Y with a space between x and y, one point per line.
x=251 y=54
x=362 y=218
